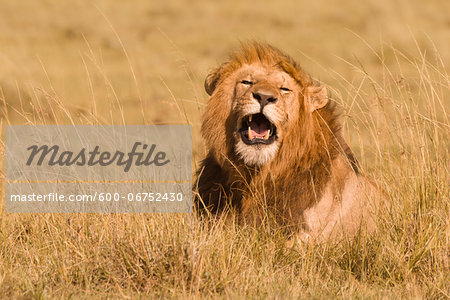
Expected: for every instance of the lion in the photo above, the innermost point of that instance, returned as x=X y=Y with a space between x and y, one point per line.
x=275 y=149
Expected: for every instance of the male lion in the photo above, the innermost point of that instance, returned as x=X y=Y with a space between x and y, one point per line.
x=276 y=149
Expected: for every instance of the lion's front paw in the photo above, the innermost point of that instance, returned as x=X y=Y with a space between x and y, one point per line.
x=298 y=239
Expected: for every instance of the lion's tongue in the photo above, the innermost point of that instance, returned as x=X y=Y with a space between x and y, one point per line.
x=259 y=130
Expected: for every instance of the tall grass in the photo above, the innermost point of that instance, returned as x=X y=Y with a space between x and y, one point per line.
x=395 y=120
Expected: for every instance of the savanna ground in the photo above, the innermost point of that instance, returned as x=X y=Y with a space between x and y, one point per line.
x=143 y=62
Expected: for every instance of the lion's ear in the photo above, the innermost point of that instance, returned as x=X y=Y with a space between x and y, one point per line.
x=316 y=97
x=211 y=81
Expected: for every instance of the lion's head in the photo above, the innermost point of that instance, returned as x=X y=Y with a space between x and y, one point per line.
x=260 y=100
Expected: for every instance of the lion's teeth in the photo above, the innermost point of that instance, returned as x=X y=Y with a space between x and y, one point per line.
x=250 y=118
x=250 y=136
x=266 y=136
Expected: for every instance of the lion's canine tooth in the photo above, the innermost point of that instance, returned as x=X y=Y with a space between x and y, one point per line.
x=250 y=136
x=266 y=136
x=250 y=118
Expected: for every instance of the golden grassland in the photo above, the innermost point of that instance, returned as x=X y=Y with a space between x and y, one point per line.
x=142 y=62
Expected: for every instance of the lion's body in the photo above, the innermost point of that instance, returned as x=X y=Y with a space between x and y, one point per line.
x=301 y=172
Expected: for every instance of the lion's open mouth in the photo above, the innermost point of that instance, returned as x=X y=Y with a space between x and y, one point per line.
x=257 y=129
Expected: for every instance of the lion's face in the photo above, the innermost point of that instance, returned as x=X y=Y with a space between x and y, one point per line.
x=265 y=101
x=260 y=100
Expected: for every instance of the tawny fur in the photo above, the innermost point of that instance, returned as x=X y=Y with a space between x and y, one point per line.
x=312 y=183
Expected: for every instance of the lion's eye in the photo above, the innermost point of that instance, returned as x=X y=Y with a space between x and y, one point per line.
x=285 y=89
x=247 y=82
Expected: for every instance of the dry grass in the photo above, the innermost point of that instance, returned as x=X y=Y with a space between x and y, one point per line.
x=143 y=63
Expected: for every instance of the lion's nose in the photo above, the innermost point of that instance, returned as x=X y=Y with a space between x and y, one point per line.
x=264 y=99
